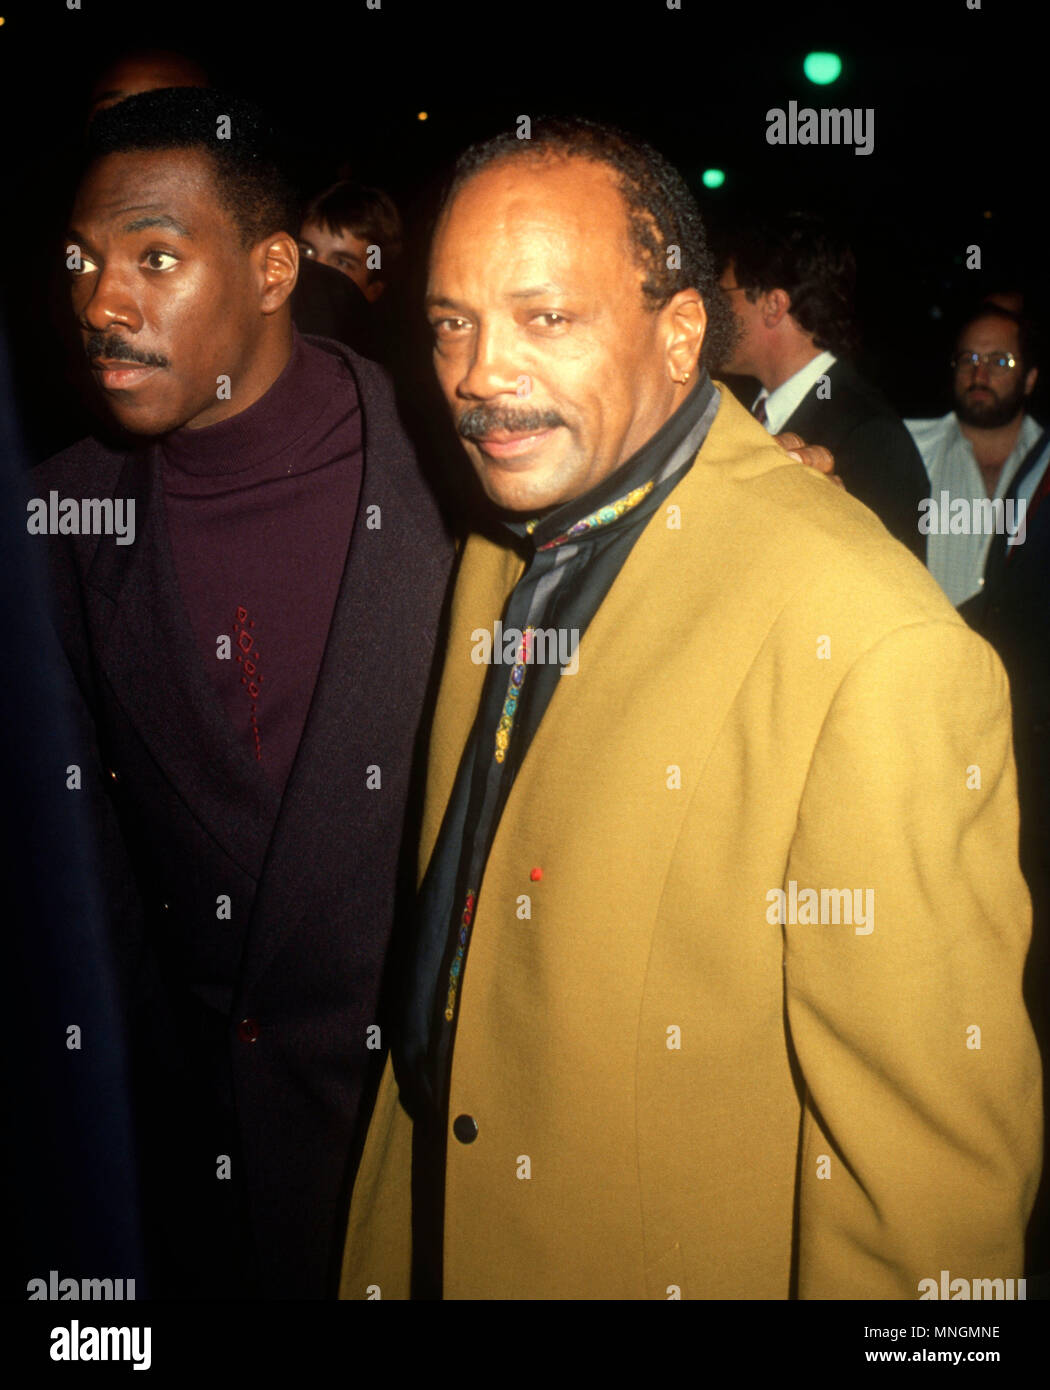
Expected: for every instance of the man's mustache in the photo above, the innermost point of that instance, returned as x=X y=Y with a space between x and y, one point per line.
x=483 y=420
x=100 y=345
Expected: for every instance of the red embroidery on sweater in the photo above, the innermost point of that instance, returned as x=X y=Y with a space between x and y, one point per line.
x=248 y=656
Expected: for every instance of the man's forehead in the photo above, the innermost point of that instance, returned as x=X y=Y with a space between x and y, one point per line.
x=992 y=330
x=140 y=75
x=145 y=72
x=163 y=180
x=521 y=218
x=532 y=189
x=338 y=236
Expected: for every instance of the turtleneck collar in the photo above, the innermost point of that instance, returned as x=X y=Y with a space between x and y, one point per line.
x=272 y=424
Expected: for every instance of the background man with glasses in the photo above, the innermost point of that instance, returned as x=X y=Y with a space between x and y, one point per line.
x=977 y=449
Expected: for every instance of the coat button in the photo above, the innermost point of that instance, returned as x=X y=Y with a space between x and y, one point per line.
x=248 y=1030
x=465 y=1128
x=113 y=777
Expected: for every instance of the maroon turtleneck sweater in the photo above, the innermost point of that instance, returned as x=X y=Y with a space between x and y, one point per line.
x=260 y=508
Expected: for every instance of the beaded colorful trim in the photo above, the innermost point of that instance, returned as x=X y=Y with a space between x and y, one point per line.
x=510 y=704
x=457 y=963
x=601 y=517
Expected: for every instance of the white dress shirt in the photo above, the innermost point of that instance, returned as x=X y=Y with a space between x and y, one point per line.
x=782 y=403
x=957 y=561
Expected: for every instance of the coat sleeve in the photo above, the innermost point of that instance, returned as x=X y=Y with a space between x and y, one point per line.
x=916 y=1061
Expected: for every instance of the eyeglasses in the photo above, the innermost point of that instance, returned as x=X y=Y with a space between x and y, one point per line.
x=994 y=361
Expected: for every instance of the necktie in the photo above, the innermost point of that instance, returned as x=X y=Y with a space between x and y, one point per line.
x=758 y=410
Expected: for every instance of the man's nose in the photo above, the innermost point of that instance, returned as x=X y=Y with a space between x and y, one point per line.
x=981 y=372
x=109 y=302
x=494 y=369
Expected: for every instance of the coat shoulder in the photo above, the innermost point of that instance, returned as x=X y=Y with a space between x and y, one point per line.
x=807 y=537
x=89 y=463
x=851 y=403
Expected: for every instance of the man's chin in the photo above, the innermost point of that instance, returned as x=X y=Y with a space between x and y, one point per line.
x=992 y=417
x=531 y=490
x=523 y=483
x=145 y=427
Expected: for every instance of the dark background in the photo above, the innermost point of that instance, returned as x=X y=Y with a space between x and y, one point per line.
x=957 y=95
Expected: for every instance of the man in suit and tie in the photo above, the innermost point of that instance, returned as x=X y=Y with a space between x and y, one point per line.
x=252 y=648
x=715 y=984
x=790 y=281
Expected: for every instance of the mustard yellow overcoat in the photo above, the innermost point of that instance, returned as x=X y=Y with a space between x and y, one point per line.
x=675 y=1093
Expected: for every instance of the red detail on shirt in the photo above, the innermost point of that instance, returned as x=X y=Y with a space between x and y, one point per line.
x=246 y=642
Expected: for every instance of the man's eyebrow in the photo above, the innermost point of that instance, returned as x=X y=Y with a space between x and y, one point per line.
x=160 y=219
x=439 y=301
x=435 y=301
x=536 y=291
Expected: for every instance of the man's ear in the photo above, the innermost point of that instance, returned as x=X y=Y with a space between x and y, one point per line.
x=775 y=304
x=1031 y=377
x=277 y=260
x=686 y=319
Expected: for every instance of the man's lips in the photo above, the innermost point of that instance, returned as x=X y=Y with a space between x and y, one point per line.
x=503 y=444
x=120 y=376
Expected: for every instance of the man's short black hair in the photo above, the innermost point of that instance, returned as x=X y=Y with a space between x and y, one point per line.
x=662 y=212
x=802 y=254
x=1026 y=335
x=360 y=211
x=250 y=178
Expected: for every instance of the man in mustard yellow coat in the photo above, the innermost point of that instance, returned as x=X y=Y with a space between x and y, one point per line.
x=715 y=988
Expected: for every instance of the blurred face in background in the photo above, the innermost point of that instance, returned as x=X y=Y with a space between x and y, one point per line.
x=342 y=251
x=143 y=72
x=988 y=395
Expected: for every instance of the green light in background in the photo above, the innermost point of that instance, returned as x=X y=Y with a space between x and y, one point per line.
x=713 y=178
x=822 y=68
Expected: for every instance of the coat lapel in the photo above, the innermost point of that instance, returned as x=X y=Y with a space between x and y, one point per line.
x=147 y=652
x=331 y=834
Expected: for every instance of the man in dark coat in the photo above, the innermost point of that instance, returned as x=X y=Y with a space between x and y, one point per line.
x=249 y=585
x=1012 y=612
x=790 y=281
